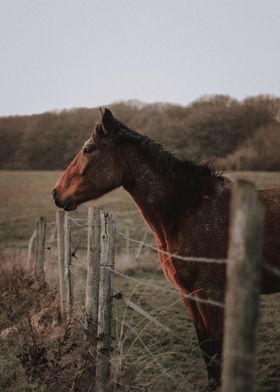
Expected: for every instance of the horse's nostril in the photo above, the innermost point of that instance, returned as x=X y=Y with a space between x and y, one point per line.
x=53 y=193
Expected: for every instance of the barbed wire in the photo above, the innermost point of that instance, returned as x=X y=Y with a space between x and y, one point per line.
x=173 y=255
x=271 y=269
x=78 y=219
x=183 y=295
x=137 y=308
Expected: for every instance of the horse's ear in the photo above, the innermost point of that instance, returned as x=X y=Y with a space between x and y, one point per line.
x=107 y=120
x=101 y=112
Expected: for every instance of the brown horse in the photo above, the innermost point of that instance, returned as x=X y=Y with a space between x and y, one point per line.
x=187 y=207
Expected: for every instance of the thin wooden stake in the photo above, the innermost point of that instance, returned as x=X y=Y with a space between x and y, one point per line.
x=40 y=247
x=31 y=250
x=60 y=250
x=53 y=235
x=68 y=265
x=105 y=302
x=243 y=288
x=93 y=272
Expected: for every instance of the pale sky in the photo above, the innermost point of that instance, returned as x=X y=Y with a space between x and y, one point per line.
x=59 y=54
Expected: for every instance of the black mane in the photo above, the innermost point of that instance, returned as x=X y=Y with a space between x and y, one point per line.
x=183 y=173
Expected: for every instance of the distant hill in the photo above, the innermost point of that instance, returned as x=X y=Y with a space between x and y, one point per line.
x=230 y=134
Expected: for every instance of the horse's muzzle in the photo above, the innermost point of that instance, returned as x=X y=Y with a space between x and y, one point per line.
x=67 y=205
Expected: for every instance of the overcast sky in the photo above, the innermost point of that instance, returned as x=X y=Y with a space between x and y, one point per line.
x=59 y=54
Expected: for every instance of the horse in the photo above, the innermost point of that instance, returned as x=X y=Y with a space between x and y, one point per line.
x=186 y=206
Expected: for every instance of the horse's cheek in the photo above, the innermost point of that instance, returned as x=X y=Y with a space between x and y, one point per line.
x=107 y=179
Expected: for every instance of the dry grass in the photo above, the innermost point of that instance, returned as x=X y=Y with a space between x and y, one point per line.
x=38 y=351
x=145 y=357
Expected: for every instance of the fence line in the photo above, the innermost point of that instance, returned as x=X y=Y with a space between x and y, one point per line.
x=100 y=268
x=142 y=243
x=174 y=255
x=183 y=295
x=154 y=248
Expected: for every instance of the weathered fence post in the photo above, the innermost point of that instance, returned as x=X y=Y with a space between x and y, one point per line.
x=61 y=268
x=243 y=288
x=105 y=302
x=68 y=265
x=40 y=247
x=31 y=250
x=93 y=271
x=53 y=234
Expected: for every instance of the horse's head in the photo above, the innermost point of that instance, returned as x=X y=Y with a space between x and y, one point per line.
x=97 y=169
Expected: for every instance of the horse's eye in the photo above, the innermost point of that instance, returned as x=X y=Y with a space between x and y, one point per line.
x=87 y=150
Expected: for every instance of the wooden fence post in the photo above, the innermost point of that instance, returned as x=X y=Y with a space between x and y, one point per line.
x=243 y=288
x=68 y=265
x=40 y=247
x=61 y=267
x=53 y=234
x=105 y=302
x=93 y=271
x=31 y=250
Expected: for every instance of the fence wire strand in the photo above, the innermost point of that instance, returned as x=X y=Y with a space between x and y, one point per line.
x=183 y=295
x=82 y=225
x=173 y=255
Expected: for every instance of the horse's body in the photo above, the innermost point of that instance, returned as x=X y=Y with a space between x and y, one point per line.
x=186 y=206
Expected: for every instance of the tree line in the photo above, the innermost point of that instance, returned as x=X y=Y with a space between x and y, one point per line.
x=231 y=134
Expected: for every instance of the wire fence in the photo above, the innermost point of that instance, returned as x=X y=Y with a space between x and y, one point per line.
x=82 y=223
x=81 y=250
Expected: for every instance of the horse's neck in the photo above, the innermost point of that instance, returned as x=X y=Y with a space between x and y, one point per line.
x=154 y=196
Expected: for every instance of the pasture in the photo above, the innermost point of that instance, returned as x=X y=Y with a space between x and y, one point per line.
x=151 y=359
x=25 y=195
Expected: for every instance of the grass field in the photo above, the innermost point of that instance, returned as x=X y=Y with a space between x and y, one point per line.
x=25 y=195
x=152 y=360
